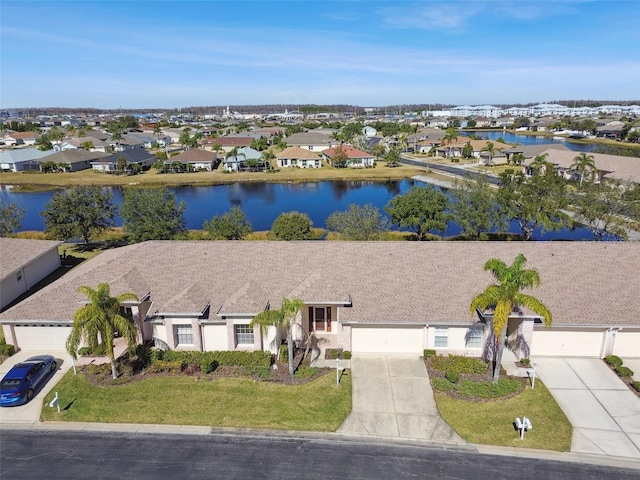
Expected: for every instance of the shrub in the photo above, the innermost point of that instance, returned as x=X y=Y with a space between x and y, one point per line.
x=305 y=372
x=636 y=386
x=505 y=386
x=429 y=353
x=192 y=369
x=525 y=362
x=284 y=353
x=613 y=360
x=346 y=355
x=442 y=384
x=623 y=371
x=103 y=369
x=7 y=349
x=509 y=171
x=166 y=366
x=453 y=377
x=458 y=364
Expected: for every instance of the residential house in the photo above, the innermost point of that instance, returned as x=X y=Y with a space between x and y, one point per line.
x=23 y=159
x=355 y=158
x=455 y=148
x=139 y=157
x=72 y=160
x=228 y=143
x=20 y=138
x=615 y=167
x=23 y=263
x=193 y=160
x=359 y=296
x=611 y=129
x=236 y=160
x=312 y=141
x=298 y=157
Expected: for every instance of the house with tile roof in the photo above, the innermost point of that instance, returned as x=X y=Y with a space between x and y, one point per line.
x=366 y=297
x=298 y=157
x=228 y=143
x=194 y=159
x=355 y=158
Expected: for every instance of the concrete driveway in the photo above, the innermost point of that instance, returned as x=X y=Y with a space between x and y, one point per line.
x=30 y=413
x=392 y=397
x=604 y=413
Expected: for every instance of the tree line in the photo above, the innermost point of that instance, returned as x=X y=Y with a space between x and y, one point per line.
x=540 y=200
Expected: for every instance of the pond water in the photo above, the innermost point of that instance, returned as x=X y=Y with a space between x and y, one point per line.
x=509 y=137
x=263 y=202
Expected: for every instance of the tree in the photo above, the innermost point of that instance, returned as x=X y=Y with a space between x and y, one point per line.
x=467 y=150
x=503 y=297
x=420 y=209
x=11 y=216
x=88 y=145
x=536 y=201
x=340 y=158
x=474 y=207
x=602 y=207
x=232 y=225
x=518 y=158
x=266 y=157
x=450 y=135
x=379 y=151
x=584 y=163
x=121 y=164
x=152 y=214
x=358 y=223
x=292 y=226
x=490 y=149
x=100 y=320
x=79 y=212
x=283 y=318
x=392 y=157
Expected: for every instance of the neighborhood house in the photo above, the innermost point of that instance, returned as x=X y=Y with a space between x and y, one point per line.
x=359 y=296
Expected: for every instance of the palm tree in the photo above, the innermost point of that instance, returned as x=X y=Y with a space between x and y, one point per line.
x=506 y=295
x=100 y=319
x=450 y=135
x=283 y=318
x=490 y=149
x=540 y=164
x=583 y=163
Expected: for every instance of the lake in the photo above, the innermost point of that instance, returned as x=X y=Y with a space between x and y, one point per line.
x=509 y=137
x=263 y=202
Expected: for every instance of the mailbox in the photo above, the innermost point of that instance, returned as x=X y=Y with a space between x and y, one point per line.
x=523 y=425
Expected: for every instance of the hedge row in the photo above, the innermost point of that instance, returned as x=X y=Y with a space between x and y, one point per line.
x=616 y=363
x=457 y=364
x=209 y=361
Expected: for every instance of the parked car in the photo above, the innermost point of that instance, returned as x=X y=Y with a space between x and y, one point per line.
x=24 y=379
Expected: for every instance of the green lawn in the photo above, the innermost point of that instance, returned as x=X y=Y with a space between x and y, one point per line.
x=491 y=422
x=320 y=405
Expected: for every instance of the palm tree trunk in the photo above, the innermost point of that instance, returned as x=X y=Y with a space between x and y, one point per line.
x=498 y=357
x=290 y=352
x=114 y=372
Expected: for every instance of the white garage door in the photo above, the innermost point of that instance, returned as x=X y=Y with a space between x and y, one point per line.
x=42 y=337
x=566 y=343
x=387 y=339
x=627 y=344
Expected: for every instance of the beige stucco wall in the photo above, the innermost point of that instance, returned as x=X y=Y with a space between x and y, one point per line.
x=457 y=341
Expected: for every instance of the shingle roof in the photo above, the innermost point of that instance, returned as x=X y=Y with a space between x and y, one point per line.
x=72 y=156
x=583 y=283
x=15 y=253
x=195 y=155
x=297 y=152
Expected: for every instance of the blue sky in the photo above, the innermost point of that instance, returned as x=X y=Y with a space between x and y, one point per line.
x=170 y=54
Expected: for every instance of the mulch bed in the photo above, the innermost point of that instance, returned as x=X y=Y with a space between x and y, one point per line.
x=279 y=373
x=474 y=377
x=627 y=380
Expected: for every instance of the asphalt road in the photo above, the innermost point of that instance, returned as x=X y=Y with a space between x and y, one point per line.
x=70 y=455
x=451 y=170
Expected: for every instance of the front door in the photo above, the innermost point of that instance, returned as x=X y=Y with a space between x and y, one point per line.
x=319 y=319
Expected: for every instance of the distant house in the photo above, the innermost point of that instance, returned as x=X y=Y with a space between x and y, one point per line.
x=75 y=143
x=228 y=143
x=193 y=160
x=23 y=263
x=298 y=157
x=312 y=141
x=240 y=159
x=20 y=138
x=139 y=157
x=355 y=158
x=72 y=160
x=24 y=159
x=610 y=129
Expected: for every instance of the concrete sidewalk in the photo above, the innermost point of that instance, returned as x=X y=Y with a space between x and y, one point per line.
x=604 y=413
x=392 y=397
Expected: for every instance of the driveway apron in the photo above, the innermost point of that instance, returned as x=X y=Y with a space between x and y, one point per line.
x=604 y=413
x=392 y=397
x=30 y=412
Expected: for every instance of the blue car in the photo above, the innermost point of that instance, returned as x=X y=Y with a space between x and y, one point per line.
x=23 y=380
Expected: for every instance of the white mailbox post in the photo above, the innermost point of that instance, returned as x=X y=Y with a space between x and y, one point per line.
x=338 y=370
x=523 y=425
x=55 y=402
x=532 y=374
